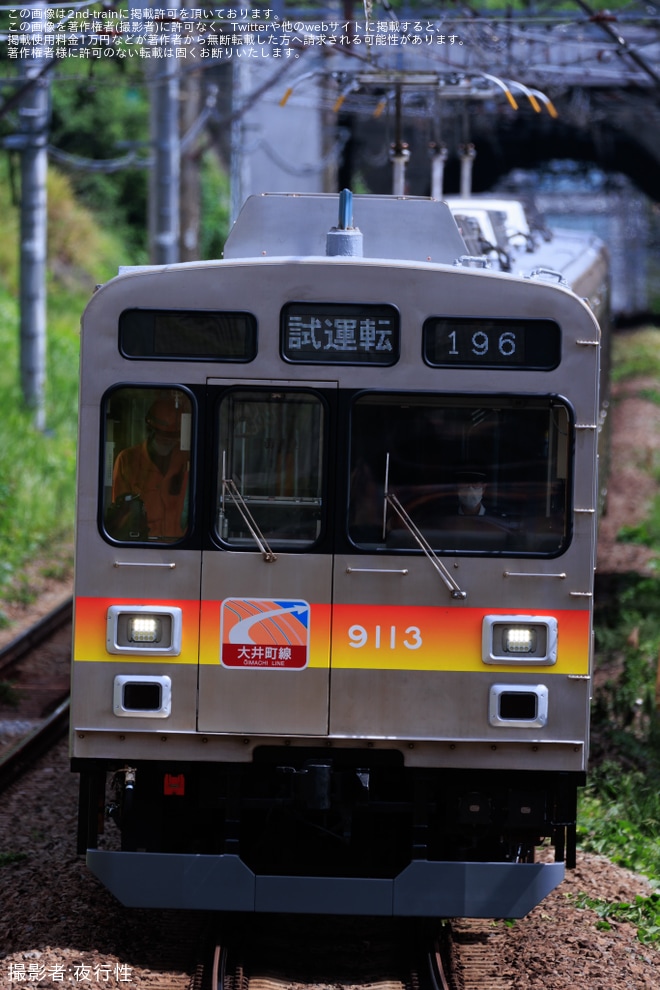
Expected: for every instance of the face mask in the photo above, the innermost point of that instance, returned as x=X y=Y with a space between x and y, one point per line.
x=471 y=498
x=163 y=447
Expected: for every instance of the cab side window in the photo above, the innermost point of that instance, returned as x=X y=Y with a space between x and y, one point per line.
x=147 y=462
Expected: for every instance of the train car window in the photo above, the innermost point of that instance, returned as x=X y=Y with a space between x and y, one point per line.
x=270 y=478
x=528 y=345
x=146 y=470
x=340 y=333
x=188 y=336
x=472 y=475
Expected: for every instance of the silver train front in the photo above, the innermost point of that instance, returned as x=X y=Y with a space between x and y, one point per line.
x=321 y=686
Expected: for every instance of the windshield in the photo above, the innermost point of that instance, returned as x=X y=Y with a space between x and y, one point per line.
x=271 y=449
x=476 y=475
x=146 y=464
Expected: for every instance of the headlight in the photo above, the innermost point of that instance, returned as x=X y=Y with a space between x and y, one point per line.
x=519 y=639
x=144 y=629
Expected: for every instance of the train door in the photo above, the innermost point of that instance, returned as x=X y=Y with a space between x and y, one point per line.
x=266 y=594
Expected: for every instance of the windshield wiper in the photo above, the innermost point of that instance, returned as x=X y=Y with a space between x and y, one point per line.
x=230 y=489
x=424 y=545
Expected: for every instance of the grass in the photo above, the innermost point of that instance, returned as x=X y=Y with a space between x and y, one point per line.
x=37 y=468
x=8 y=694
x=619 y=814
x=644 y=913
x=7 y=858
x=619 y=810
x=636 y=354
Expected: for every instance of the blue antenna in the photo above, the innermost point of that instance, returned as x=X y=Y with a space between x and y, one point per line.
x=344 y=240
x=345 y=209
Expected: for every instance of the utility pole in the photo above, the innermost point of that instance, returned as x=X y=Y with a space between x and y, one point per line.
x=164 y=197
x=239 y=166
x=32 y=140
x=190 y=168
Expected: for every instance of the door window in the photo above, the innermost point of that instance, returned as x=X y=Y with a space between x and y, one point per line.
x=270 y=457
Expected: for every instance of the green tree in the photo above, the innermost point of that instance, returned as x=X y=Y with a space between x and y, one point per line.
x=100 y=112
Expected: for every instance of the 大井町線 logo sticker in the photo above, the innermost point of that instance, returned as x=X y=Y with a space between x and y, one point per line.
x=264 y=632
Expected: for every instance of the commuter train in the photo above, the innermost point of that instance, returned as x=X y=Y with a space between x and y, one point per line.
x=336 y=529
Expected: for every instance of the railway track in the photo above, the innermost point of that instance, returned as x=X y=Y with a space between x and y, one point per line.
x=34 y=706
x=357 y=954
x=475 y=956
x=293 y=952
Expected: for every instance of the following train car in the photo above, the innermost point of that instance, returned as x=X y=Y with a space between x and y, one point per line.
x=511 y=234
x=336 y=530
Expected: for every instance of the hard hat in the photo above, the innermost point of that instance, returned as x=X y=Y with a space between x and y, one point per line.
x=164 y=417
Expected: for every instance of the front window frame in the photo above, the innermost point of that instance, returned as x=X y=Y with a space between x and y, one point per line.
x=263 y=507
x=514 y=543
x=128 y=524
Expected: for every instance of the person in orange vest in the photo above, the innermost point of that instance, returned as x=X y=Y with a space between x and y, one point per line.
x=155 y=472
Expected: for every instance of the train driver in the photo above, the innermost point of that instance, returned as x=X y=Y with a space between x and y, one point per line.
x=471 y=487
x=156 y=471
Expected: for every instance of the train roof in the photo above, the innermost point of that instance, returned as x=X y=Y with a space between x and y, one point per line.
x=393 y=227
x=514 y=211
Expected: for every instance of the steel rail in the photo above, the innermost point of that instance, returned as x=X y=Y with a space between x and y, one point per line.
x=24 y=753
x=17 y=758
x=14 y=651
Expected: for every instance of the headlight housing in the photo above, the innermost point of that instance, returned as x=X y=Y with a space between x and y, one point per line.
x=144 y=629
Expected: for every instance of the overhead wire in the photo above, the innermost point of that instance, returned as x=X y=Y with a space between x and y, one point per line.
x=478 y=34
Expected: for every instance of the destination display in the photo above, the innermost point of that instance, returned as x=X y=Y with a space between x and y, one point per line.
x=530 y=345
x=187 y=335
x=340 y=333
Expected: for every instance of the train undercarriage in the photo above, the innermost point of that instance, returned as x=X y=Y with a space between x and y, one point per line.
x=351 y=824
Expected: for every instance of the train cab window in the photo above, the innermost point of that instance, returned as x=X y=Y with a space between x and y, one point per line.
x=270 y=474
x=146 y=470
x=467 y=475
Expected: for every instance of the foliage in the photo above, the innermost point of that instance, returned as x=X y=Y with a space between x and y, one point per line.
x=650 y=395
x=8 y=694
x=619 y=814
x=100 y=114
x=8 y=858
x=644 y=913
x=100 y=111
x=627 y=631
x=37 y=469
x=647 y=532
x=620 y=817
x=215 y=208
x=636 y=353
